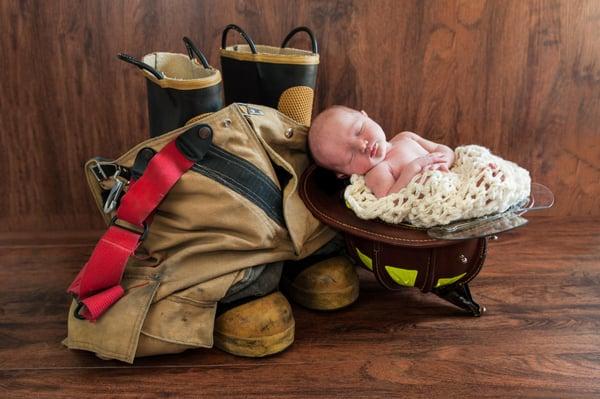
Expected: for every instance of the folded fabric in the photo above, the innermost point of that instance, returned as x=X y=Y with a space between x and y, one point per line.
x=478 y=184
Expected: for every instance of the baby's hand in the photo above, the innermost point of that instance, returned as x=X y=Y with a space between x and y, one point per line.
x=426 y=163
x=432 y=161
x=442 y=167
x=415 y=167
x=447 y=156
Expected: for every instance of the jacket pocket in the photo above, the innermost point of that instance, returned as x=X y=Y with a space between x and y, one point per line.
x=187 y=317
x=115 y=335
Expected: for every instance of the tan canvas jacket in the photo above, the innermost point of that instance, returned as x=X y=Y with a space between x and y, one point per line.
x=201 y=238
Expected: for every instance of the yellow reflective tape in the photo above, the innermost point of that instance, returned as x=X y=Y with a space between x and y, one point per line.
x=404 y=277
x=271 y=55
x=447 y=281
x=368 y=262
x=212 y=79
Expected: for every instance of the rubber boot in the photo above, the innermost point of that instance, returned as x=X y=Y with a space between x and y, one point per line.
x=179 y=87
x=278 y=77
x=328 y=284
x=257 y=328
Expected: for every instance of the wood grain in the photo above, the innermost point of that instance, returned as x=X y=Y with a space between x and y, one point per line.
x=520 y=77
x=538 y=339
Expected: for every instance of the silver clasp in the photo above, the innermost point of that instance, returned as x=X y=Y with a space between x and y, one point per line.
x=113 y=196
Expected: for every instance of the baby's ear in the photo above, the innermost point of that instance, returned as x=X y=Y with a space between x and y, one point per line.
x=341 y=176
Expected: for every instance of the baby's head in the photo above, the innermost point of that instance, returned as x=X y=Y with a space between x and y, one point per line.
x=346 y=141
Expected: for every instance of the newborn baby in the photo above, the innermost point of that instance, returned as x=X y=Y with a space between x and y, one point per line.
x=349 y=142
x=468 y=182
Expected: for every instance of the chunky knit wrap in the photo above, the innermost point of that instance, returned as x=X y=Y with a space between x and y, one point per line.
x=479 y=183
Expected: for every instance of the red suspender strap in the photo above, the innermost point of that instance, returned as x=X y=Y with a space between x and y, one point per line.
x=97 y=286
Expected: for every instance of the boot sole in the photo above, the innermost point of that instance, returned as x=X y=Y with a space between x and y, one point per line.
x=255 y=346
x=320 y=300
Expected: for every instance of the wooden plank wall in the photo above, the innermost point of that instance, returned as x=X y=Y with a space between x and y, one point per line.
x=520 y=77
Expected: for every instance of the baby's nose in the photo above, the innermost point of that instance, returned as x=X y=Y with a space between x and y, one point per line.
x=364 y=144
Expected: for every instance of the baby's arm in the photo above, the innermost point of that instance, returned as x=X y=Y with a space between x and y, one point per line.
x=381 y=181
x=433 y=148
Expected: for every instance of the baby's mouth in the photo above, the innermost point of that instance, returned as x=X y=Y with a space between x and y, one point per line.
x=374 y=149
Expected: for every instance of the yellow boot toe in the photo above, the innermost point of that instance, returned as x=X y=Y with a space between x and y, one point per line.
x=261 y=327
x=326 y=285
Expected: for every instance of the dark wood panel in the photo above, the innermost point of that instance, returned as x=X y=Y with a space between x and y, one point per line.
x=521 y=78
x=539 y=338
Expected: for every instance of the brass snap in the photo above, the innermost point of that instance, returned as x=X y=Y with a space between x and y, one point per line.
x=289 y=133
x=227 y=123
x=463 y=258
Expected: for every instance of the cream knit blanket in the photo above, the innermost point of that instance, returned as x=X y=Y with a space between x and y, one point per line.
x=479 y=183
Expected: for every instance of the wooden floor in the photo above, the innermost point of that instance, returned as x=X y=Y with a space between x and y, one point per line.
x=539 y=338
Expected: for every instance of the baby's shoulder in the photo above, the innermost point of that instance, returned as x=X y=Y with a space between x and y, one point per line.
x=403 y=136
x=382 y=168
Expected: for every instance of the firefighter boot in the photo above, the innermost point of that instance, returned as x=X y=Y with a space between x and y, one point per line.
x=257 y=328
x=278 y=77
x=179 y=87
x=329 y=284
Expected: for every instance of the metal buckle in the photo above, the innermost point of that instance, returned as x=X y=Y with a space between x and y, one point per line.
x=98 y=172
x=143 y=233
x=113 y=196
x=103 y=170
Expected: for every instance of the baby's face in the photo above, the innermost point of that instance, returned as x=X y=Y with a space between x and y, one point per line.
x=351 y=143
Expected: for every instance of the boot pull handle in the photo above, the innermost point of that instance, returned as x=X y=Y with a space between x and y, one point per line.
x=142 y=65
x=241 y=32
x=313 y=41
x=193 y=51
